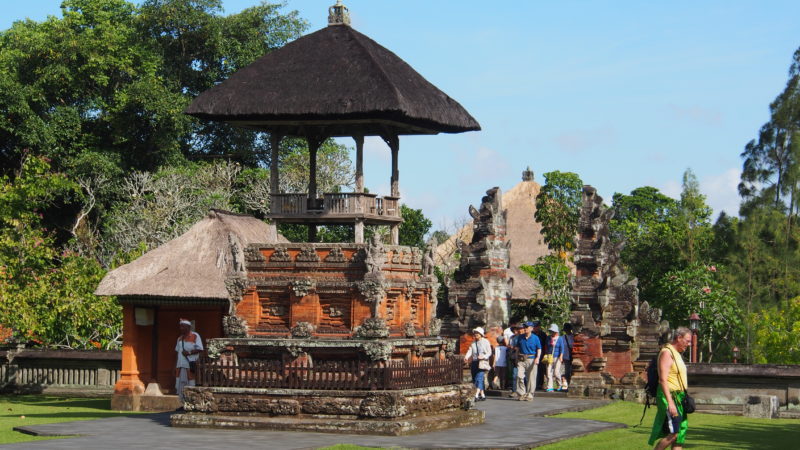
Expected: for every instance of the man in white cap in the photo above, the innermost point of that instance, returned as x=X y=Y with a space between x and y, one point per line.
x=557 y=350
x=188 y=347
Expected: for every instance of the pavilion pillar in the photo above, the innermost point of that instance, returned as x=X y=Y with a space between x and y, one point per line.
x=129 y=385
x=359 y=231
x=395 y=234
x=313 y=146
x=274 y=178
x=359 y=163
x=394 y=146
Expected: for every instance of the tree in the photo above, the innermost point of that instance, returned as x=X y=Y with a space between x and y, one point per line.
x=45 y=292
x=414 y=227
x=699 y=288
x=777 y=334
x=558 y=209
x=553 y=275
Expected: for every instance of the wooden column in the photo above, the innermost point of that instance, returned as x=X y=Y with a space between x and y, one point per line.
x=359 y=231
x=395 y=229
x=129 y=383
x=313 y=146
x=274 y=178
x=274 y=147
x=394 y=146
x=359 y=163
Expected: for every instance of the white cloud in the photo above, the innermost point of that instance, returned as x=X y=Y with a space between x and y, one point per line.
x=375 y=147
x=696 y=114
x=722 y=192
x=576 y=141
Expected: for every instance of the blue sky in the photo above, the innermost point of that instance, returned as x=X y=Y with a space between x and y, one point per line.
x=624 y=93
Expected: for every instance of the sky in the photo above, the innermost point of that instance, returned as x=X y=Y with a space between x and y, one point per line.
x=623 y=93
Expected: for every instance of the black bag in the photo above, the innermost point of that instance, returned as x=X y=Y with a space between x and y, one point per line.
x=193 y=368
x=651 y=387
x=688 y=404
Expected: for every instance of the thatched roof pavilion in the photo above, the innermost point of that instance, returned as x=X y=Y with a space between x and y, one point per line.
x=193 y=265
x=331 y=83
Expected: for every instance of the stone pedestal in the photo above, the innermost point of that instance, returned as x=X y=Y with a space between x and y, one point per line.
x=398 y=412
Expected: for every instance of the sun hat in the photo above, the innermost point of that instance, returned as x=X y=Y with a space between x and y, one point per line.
x=554 y=328
x=184 y=322
x=479 y=330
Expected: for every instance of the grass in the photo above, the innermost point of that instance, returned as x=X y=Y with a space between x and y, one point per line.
x=705 y=430
x=37 y=409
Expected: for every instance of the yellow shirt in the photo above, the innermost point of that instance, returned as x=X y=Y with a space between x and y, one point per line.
x=678 y=367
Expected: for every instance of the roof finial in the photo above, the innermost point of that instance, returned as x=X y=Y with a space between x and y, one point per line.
x=338 y=14
x=527 y=174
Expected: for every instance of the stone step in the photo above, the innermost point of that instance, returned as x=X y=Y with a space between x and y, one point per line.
x=506 y=393
x=789 y=414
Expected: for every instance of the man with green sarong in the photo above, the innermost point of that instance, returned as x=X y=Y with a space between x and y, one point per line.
x=671 y=424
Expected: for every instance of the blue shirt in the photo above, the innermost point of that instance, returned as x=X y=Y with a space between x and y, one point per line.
x=561 y=348
x=528 y=346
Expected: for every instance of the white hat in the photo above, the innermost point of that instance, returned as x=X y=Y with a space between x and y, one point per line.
x=479 y=330
x=554 y=328
x=184 y=322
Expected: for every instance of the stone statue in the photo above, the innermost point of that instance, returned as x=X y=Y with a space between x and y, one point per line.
x=375 y=255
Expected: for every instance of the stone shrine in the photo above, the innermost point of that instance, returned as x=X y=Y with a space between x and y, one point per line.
x=480 y=290
x=615 y=334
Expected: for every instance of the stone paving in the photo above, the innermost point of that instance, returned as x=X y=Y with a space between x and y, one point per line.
x=509 y=424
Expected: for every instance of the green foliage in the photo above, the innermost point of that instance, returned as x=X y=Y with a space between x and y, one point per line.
x=553 y=275
x=558 y=209
x=661 y=234
x=777 y=334
x=46 y=293
x=414 y=227
x=699 y=288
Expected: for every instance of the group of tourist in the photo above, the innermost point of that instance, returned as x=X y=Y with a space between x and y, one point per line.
x=538 y=360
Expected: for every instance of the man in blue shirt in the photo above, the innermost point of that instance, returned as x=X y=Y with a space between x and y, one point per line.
x=529 y=351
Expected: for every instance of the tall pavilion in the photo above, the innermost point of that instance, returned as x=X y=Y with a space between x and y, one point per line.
x=335 y=82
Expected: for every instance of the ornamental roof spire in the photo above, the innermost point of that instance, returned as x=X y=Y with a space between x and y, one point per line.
x=338 y=14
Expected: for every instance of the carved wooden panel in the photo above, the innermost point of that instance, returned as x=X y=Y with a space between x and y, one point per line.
x=336 y=314
x=274 y=311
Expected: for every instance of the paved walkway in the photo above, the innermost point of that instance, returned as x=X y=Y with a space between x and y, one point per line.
x=509 y=424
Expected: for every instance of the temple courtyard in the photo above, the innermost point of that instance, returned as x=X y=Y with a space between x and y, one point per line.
x=509 y=424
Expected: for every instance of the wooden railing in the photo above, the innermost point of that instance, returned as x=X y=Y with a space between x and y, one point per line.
x=340 y=203
x=329 y=375
x=288 y=204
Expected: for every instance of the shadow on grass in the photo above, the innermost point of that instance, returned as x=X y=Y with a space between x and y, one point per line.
x=768 y=434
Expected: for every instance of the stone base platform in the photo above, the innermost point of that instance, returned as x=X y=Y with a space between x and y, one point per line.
x=382 y=427
x=383 y=412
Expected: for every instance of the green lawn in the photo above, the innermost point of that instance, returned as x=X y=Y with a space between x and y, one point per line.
x=35 y=409
x=705 y=430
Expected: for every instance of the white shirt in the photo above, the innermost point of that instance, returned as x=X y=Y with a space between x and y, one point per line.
x=188 y=345
x=508 y=333
x=500 y=353
x=480 y=349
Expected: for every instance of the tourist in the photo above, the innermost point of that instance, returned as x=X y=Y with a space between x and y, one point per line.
x=188 y=347
x=479 y=353
x=529 y=352
x=671 y=424
x=557 y=347
x=512 y=352
x=542 y=369
x=500 y=362
x=569 y=338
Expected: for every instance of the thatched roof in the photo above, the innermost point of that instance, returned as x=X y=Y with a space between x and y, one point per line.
x=524 y=232
x=333 y=82
x=193 y=265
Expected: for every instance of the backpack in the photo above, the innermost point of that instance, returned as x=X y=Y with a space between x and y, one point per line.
x=651 y=387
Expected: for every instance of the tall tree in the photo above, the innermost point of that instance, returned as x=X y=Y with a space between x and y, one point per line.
x=558 y=210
